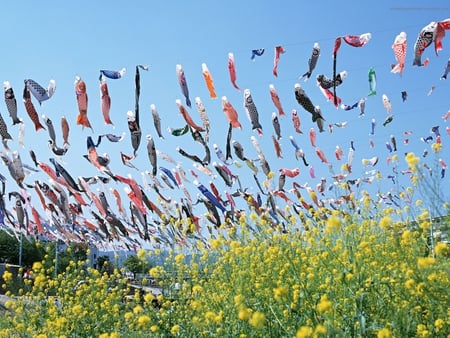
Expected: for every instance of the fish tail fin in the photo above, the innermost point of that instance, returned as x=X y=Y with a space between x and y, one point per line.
x=298 y=130
x=417 y=61
x=444 y=77
x=5 y=144
x=236 y=124
x=108 y=121
x=16 y=120
x=39 y=126
x=396 y=68
x=188 y=102
x=83 y=120
x=306 y=76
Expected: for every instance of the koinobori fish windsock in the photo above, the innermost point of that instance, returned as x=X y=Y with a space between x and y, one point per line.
x=312 y=62
x=183 y=84
x=372 y=82
x=399 y=48
x=112 y=74
x=276 y=100
x=278 y=51
x=424 y=39
x=31 y=110
x=327 y=83
x=133 y=118
x=252 y=112
x=135 y=130
x=11 y=102
x=209 y=81
x=156 y=120
x=105 y=101
x=41 y=94
x=232 y=70
x=256 y=52
x=304 y=101
x=446 y=70
x=82 y=100
x=230 y=113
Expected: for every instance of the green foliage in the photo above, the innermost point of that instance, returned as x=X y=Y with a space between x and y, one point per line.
x=346 y=276
x=9 y=250
x=104 y=264
x=133 y=264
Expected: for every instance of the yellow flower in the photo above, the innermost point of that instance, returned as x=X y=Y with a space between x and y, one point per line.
x=238 y=299
x=422 y=331
x=425 y=225
x=245 y=313
x=179 y=258
x=384 y=333
x=439 y=324
x=442 y=249
x=61 y=323
x=409 y=284
x=304 y=332
x=436 y=147
x=144 y=321
x=7 y=276
x=215 y=243
x=333 y=225
x=154 y=328
x=385 y=222
x=37 y=266
x=258 y=319
x=141 y=254
x=155 y=272
x=412 y=160
x=366 y=201
x=138 y=309
x=128 y=316
x=175 y=329
x=209 y=316
x=425 y=262
x=324 y=304
x=279 y=292
x=320 y=329
x=77 y=309
x=148 y=297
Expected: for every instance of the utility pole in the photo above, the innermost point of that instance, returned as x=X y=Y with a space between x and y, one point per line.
x=56 y=258
x=20 y=248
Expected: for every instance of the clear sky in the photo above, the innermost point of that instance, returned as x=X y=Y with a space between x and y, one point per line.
x=55 y=40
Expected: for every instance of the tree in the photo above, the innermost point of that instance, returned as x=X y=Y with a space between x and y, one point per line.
x=134 y=264
x=104 y=265
x=9 y=250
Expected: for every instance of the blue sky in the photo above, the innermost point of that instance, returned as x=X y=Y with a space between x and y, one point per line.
x=45 y=41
